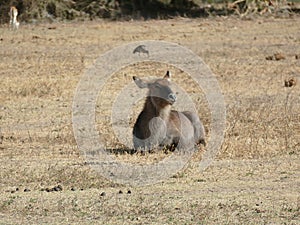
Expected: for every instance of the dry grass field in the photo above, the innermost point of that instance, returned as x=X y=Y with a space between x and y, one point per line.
x=255 y=178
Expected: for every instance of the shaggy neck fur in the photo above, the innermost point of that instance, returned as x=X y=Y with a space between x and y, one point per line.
x=161 y=112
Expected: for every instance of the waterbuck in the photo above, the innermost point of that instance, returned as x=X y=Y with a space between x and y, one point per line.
x=158 y=126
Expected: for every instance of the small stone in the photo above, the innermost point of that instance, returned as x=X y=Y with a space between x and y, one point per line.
x=26 y=190
x=290 y=82
x=57 y=188
x=103 y=194
x=270 y=57
x=73 y=189
x=279 y=56
x=120 y=192
x=128 y=192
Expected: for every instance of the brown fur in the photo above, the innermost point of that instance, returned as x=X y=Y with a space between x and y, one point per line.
x=159 y=126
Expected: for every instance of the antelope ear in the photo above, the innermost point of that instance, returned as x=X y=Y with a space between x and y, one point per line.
x=168 y=76
x=140 y=83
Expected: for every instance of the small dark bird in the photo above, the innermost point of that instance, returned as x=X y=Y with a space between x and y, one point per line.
x=141 y=49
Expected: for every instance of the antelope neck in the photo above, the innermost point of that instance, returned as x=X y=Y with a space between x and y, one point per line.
x=162 y=113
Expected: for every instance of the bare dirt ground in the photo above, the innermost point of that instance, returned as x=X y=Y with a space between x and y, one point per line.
x=255 y=178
